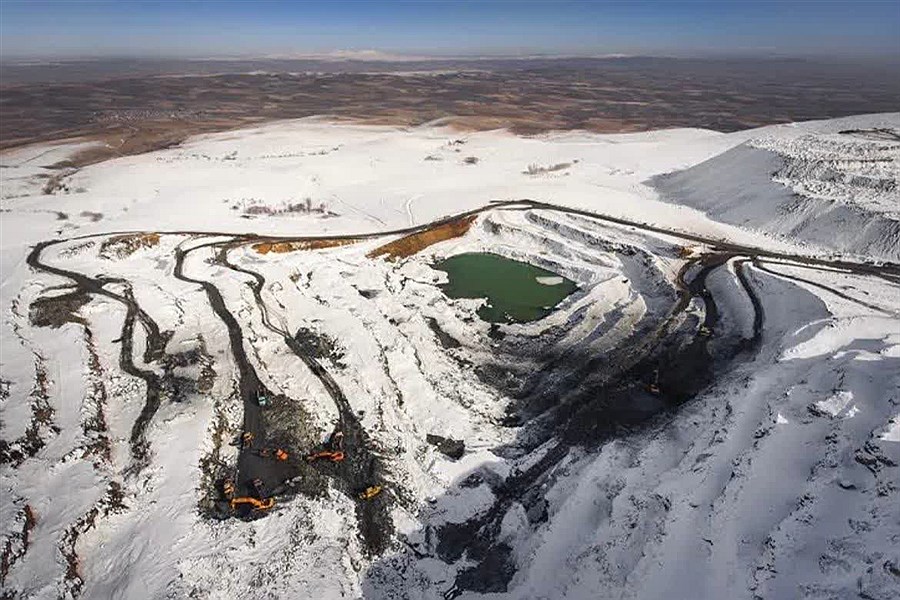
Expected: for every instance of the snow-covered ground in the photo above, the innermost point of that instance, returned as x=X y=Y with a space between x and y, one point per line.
x=836 y=187
x=776 y=478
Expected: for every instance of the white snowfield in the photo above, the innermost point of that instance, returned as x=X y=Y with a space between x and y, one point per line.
x=779 y=479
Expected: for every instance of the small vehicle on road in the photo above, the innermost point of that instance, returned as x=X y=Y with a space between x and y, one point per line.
x=653 y=386
x=262 y=399
x=335 y=440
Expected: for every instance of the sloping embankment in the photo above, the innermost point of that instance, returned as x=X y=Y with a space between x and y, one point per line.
x=736 y=187
x=292 y=246
x=416 y=242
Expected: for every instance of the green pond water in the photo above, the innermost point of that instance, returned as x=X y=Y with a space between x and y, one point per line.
x=516 y=291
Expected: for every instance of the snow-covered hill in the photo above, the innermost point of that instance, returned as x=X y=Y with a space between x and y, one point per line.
x=713 y=413
x=837 y=187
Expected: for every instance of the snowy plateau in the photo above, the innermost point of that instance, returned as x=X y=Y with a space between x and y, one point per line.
x=713 y=413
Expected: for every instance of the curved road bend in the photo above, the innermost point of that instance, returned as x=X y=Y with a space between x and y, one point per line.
x=885 y=311
x=886 y=270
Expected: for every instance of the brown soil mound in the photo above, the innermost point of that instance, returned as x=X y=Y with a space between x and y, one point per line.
x=415 y=242
x=281 y=247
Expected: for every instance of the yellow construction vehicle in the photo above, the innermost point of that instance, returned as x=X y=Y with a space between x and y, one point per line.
x=255 y=503
x=370 y=492
x=705 y=331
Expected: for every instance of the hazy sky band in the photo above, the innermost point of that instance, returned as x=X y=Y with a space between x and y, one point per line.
x=75 y=28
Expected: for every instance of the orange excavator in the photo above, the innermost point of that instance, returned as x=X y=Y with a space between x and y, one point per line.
x=277 y=454
x=255 y=503
x=332 y=455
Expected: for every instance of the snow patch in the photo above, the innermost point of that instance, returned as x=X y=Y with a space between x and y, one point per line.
x=549 y=280
x=838 y=404
x=891 y=431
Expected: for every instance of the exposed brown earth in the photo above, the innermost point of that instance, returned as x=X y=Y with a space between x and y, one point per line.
x=282 y=247
x=111 y=502
x=17 y=542
x=121 y=246
x=416 y=242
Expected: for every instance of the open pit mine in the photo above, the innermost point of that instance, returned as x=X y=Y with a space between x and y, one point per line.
x=318 y=360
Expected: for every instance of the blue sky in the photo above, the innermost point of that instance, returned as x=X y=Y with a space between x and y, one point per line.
x=73 y=28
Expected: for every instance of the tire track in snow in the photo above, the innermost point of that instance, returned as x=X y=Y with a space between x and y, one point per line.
x=759 y=265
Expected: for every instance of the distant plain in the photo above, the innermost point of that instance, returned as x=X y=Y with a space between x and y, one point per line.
x=138 y=105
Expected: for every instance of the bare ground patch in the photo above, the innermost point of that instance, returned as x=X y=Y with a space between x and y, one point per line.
x=96 y=432
x=41 y=424
x=416 y=242
x=122 y=246
x=113 y=501
x=283 y=247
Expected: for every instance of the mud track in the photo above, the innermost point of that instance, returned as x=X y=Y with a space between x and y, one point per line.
x=760 y=265
x=154 y=350
x=360 y=468
x=249 y=466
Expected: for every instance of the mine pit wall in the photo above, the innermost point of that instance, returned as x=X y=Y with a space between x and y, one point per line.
x=670 y=314
x=546 y=351
x=414 y=243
